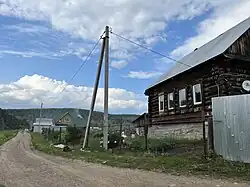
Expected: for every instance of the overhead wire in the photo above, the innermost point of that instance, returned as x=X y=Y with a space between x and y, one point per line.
x=153 y=51
x=81 y=66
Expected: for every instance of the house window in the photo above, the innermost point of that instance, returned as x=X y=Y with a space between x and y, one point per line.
x=161 y=102
x=182 y=98
x=171 y=101
x=197 y=94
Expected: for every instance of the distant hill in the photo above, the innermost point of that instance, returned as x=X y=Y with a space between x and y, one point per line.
x=55 y=113
x=8 y=121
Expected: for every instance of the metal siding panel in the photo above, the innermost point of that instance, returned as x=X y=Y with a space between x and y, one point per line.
x=231 y=118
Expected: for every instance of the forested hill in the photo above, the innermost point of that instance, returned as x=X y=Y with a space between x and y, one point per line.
x=8 y=121
x=55 y=113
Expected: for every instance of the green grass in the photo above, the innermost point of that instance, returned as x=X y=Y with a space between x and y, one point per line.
x=186 y=164
x=6 y=135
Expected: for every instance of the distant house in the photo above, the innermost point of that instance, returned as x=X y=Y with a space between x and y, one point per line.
x=182 y=98
x=70 y=119
x=141 y=123
x=42 y=123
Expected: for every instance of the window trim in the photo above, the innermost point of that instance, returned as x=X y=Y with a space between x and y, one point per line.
x=169 y=100
x=161 y=95
x=194 y=96
x=185 y=95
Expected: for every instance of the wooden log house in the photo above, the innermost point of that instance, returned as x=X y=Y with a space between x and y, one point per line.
x=217 y=68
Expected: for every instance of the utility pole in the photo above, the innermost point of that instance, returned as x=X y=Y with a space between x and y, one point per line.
x=85 y=142
x=120 y=142
x=106 y=87
x=40 y=117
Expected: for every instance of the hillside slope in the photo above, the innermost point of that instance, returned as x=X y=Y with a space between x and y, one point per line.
x=8 y=121
x=55 y=113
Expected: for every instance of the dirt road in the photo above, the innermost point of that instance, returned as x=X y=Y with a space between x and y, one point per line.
x=22 y=167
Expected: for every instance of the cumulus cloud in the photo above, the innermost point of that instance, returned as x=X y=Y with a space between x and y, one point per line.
x=143 y=74
x=30 y=91
x=119 y=64
x=226 y=14
x=137 y=20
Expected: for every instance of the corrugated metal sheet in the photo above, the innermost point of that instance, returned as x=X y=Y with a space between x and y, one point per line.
x=231 y=119
x=208 y=51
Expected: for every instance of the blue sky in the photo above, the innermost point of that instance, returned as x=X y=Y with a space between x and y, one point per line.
x=27 y=37
x=46 y=43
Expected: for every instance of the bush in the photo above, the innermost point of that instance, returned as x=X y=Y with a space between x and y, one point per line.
x=114 y=140
x=73 y=136
x=160 y=145
x=55 y=137
x=137 y=144
x=154 y=145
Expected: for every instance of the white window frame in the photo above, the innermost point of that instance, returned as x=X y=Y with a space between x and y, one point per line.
x=169 y=100
x=180 y=91
x=194 y=96
x=161 y=99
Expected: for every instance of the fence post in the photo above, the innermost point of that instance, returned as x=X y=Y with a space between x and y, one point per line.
x=145 y=125
x=120 y=132
x=210 y=135
x=204 y=133
x=60 y=137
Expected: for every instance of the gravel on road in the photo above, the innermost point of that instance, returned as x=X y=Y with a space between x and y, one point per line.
x=20 y=166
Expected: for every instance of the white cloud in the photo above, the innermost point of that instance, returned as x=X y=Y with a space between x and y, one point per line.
x=119 y=64
x=29 y=54
x=135 y=19
x=143 y=75
x=27 y=28
x=227 y=14
x=29 y=91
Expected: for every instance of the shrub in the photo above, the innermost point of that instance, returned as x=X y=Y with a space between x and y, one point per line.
x=137 y=144
x=160 y=145
x=73 y=136
x=114 y=140
x=154 y=145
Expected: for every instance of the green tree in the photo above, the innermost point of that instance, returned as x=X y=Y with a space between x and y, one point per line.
x=73 y=136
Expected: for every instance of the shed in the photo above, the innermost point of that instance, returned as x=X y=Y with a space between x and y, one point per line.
x=141 y=123
x=42 y=123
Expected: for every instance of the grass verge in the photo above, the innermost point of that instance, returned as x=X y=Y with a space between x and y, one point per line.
x=182 y=164
x=6 y=135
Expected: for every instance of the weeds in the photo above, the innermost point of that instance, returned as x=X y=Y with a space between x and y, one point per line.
x=6 y=135
x=182 y=164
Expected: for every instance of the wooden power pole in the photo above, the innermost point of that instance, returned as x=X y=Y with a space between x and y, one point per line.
x=106 y=87
x=104 y=51
x=85 y=142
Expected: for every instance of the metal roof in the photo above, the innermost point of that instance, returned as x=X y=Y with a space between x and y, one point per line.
x=208 y=51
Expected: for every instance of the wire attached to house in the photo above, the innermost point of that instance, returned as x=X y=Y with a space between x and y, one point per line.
x=144 y=47
x=83 y=63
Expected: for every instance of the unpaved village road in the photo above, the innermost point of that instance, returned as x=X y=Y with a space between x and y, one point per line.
x=22 y=167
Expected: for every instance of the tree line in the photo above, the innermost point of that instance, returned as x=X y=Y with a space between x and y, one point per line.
x=8 y=121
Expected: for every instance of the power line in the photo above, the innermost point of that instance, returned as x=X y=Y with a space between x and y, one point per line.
x=153 y=51
x=83 y=63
